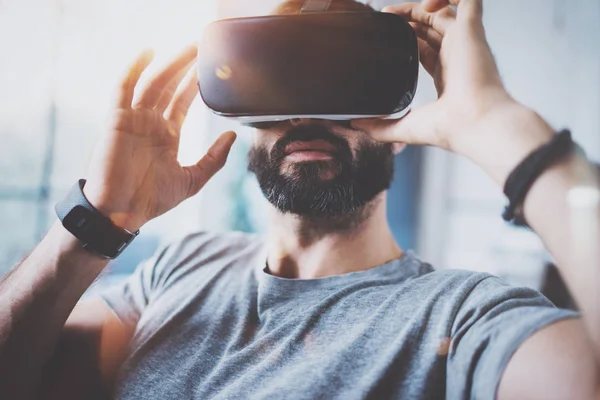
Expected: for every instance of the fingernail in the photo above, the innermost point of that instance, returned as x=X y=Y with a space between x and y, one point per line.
x=192 y=47
x=231 y=136
x=148 y=54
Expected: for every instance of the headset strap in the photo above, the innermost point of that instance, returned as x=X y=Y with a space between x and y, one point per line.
x=313 y=6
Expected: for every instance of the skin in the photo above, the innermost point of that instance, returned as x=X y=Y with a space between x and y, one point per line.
x=83 y=344
x=303 y=248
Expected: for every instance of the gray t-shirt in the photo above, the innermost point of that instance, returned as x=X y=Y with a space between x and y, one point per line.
x=212 y=324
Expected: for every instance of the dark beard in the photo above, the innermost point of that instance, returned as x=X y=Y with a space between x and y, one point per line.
x=302 y=189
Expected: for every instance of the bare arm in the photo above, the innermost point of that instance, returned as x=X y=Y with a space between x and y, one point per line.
x=88 y=354
x=562 y=360
x=37 y=299
x=134 y=177
x=476 y=117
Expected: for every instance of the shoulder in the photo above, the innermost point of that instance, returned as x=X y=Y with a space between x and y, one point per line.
x=482 y=291
x=206 y=244
x=475 y=286
x=481 y=303
x=477 y=289
x=202 y=253
x=458 y=283
x=468 y=295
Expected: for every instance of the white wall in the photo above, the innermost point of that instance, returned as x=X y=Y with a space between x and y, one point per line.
x=73 y=53
x=548 y=54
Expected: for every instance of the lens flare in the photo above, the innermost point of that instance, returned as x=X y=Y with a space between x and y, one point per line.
x=224 y=72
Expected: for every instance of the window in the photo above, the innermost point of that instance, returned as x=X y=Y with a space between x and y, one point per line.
x=61 y=61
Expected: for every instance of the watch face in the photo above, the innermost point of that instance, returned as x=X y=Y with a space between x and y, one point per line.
x=79 y=220
x=96 y=231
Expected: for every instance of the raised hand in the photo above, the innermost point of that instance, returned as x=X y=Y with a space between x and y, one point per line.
x=454 y=50
x=134 y=174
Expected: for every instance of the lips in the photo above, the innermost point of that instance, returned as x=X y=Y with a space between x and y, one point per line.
x=321 y=146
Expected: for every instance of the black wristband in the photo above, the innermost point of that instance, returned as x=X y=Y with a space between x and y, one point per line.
x=95 y=230
x=526 y=173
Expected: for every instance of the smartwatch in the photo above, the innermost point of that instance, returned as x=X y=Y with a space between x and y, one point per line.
x=95 y=230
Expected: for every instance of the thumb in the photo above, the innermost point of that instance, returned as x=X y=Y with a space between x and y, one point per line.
x=417 y=127
x=210 y=163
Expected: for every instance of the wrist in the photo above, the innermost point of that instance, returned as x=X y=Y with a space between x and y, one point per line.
x=502 y=138
x=67 y=247
x=117 y=212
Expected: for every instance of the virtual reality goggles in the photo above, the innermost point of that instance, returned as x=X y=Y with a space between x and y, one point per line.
x=335 y=66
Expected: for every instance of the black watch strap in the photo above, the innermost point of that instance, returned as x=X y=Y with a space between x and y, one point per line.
x=86 y=223
x=527 y=172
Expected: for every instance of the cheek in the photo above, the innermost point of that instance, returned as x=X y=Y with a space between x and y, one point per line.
x=265 y=138
x=358 y=140
x=356 y=144
x=258 y=138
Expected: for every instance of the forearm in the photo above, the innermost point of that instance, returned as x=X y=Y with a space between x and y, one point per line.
x=36 y=300
x=571 y=235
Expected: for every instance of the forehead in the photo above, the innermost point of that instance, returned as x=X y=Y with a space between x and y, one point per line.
x=294 y=6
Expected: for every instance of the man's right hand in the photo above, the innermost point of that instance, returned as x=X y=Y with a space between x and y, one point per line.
x=134 y=174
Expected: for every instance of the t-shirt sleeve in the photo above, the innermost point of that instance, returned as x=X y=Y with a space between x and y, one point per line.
x=493 y=321
x=130 y=297
x=165 y=273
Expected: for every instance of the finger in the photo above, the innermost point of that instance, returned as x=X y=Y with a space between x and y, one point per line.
x=183 y=99
x=126 y=90
x=467 y=9
x=170 y=89
x=211 y=163
x=435 y=5
x=153 y=91
x=429 y=56
x=417 y=127
x=440 y=20
x=428 y=35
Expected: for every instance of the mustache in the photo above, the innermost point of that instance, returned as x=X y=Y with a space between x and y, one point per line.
x=306 y=133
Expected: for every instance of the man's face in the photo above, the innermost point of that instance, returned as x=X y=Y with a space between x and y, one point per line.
x=319 y=168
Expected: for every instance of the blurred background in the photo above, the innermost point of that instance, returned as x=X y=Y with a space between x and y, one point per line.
x=61 y=59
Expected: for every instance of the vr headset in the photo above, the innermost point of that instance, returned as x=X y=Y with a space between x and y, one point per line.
x=327 y=65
